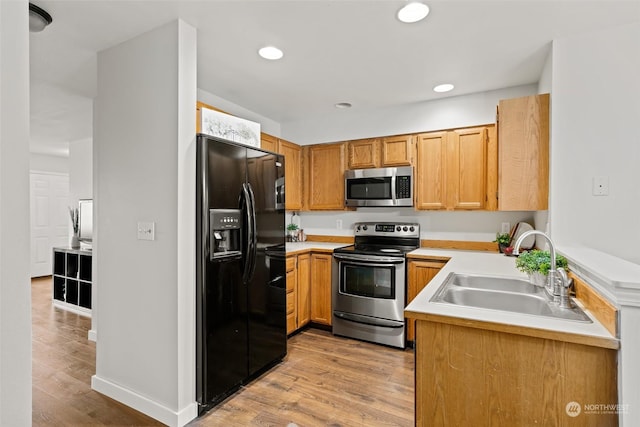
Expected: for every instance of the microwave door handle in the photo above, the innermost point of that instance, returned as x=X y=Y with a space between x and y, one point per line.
x=394 y=199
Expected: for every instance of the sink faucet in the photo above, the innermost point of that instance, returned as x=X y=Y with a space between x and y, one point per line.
x=557 y=282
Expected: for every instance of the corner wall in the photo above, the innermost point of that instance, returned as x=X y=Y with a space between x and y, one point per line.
x=144 y=160
x=15 y=286
x=595 y=109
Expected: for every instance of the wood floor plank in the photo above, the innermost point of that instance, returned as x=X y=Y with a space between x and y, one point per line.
x=323 y=381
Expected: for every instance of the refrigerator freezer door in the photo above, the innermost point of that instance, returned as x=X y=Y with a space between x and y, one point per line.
x=267 y=288
x=221 y=298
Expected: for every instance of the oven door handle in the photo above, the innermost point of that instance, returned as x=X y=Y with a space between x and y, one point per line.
x=366 y=320
x=374 y=261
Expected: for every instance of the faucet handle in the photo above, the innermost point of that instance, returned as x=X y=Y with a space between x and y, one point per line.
x=565 y=281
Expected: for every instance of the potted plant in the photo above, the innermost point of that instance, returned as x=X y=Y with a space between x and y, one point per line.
x=503 y=240
x=537 y=263
x=292 y=232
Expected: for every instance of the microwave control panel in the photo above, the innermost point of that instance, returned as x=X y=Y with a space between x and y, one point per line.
x=403 y=187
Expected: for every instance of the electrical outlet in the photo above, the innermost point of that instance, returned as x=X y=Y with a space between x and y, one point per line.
x=600 y=186
x=146 y=231
x=505 y=228
x=339 y=224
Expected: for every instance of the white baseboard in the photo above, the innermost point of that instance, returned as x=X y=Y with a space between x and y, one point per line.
x=92 y=335
x=146 y=406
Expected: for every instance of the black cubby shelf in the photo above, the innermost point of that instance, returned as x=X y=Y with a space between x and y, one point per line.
x=72 y=280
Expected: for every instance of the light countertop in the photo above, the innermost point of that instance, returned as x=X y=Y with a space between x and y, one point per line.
x=494 y=264
x=296 y=247
x=484 y=263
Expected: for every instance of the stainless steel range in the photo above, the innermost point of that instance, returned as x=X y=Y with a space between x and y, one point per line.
x=369 y=282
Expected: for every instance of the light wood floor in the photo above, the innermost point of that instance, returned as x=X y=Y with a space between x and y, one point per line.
x=323 y=381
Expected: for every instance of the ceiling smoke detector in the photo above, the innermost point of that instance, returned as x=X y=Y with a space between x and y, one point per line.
x=38 y=18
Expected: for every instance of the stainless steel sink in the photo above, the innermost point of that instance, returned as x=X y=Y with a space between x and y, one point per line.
x=503 y=293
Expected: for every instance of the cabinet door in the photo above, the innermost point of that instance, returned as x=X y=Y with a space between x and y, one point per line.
x=430 y=185
x=268 y=142
x=466 y=168
x=321 y=288
x=523 y=153
x=364 y=154
x=419 y=275
x=326 y=177
x=397 y=150
x=304 y=289
x=292 y=174
x=292 y=284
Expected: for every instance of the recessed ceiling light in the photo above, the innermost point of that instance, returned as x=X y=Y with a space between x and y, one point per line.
x=413 y=12
x=343 y=105
x=446 y=87
x=270 y=52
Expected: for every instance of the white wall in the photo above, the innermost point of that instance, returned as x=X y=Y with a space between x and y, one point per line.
x=81 y=170
x=46 y=163
x=460 y=111
x=144 y=154
x=475 y=226
x=595 y=110
x=15 y=290
x=266 y=124
x=445 y=113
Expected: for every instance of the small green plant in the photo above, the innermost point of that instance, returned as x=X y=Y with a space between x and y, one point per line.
x=503 y=239
x=538 y=261
x=292 y=227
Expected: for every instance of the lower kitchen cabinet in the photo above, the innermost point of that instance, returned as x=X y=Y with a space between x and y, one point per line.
x=298 y=270
x=321 y=288
x=72 y=280
x=419 y=274
x=474 y=376
x=304 y=290
x=292 y=285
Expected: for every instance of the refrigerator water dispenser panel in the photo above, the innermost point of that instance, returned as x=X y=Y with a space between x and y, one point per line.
x=225 y=233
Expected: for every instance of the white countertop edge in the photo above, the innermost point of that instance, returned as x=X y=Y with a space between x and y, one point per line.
x=492 y=264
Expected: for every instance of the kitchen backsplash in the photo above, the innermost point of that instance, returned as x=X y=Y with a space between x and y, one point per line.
x=479 y=226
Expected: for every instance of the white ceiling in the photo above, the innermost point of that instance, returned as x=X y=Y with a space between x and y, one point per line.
x=335 y=51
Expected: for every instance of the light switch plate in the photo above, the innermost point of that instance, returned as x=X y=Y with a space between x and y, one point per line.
x=146 y=231
x=600 y=186
x=505 y=228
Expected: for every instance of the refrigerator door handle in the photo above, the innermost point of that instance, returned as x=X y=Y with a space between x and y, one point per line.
x=248 y=216
x=254 y=235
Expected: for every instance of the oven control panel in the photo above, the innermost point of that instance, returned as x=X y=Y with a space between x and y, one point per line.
x=395 y=229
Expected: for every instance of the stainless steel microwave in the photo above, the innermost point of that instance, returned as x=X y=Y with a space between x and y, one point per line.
x=379 y=187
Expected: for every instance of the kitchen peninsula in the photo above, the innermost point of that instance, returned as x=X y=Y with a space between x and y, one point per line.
x=502 y=367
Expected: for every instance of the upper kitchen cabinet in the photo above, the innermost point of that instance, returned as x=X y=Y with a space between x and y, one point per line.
x=523 y=153
x=324 y=173
x=292 y=174
x=397 y=150
x=380 y=152
x=430 y=183
x=364 y=153
x=269 y=143
x=451 y=169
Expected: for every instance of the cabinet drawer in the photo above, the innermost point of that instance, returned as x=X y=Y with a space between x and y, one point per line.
x=291 y=264
x=291 y=322
x=291 y=302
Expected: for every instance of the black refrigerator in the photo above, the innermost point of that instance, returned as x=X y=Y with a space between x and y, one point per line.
x=240 y=266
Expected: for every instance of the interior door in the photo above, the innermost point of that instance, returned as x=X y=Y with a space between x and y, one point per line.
x=49 y=219
x=267 y=287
